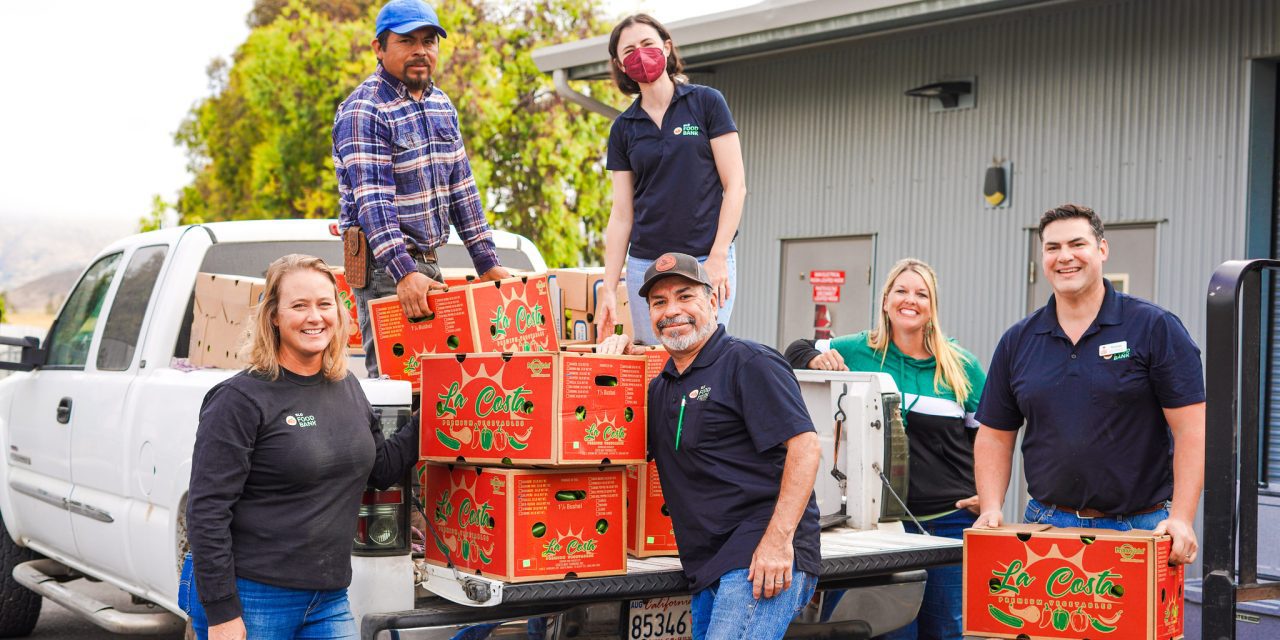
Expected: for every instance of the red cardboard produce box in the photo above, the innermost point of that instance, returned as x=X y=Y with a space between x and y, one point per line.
x=506 y=315
x=649 y=528
x=520 y=525
x=534 y=408
x=1036 y=581
x=348 y=301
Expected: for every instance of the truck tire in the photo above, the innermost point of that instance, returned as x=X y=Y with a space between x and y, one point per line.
x=19 y=606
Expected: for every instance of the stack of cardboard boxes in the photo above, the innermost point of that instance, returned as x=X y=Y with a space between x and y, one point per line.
x=575 y=293
x=523 y=444
x=220 y=318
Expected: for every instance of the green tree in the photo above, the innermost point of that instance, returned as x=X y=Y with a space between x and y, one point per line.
x=259 y=146
x=2 y=306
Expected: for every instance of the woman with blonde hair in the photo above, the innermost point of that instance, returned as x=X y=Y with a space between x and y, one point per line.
x=941 y=384
x=282 y=454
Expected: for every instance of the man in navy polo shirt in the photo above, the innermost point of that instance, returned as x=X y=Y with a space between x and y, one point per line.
x=737 y=456
x=1111 y=390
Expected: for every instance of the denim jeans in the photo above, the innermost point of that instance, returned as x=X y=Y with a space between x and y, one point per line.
x=275 y=613
x=942 y=609
x=1039 y=513
x=640 y=307
x=728 y=611
x=380 y=285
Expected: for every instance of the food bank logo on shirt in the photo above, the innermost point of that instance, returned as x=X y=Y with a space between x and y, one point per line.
x=700 y=394
x=300 y=421
x=686 y=130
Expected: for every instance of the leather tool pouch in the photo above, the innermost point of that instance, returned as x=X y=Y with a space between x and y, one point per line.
x=355 y=257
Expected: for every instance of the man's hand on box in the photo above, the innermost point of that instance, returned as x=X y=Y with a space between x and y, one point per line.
x=619 y=345
x=412 y=291
x=1185 y=547
x=989 y=519
x=496 y=273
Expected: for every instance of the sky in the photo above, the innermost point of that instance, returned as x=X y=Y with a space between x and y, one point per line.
x=91 y=93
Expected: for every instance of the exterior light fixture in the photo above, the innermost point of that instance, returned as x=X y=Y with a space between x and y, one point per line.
x=995 y=185
x=949 y=94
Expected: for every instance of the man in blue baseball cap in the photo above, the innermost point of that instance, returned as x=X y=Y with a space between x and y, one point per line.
x=403 y=174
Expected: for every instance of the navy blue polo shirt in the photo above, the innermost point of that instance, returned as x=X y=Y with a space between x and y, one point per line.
x=677 y=187
x=741 y=402
x=1096 y=433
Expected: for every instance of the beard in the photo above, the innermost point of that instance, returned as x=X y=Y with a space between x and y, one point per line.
x=685 y=341
x=416 y=85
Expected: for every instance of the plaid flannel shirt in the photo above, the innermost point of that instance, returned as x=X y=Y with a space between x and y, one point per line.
x=403 y=174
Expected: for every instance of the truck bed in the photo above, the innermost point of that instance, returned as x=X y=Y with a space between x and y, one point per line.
x=849 y=558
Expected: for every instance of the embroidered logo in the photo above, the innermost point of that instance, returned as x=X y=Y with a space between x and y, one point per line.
x=1114 y=351
x=686 y=130
x=700 y=394
x=300 y=420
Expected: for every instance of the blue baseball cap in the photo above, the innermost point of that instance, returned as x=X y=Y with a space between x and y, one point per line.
x=407 y=16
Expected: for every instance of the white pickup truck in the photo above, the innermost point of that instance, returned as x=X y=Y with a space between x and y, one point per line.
x=98 y=422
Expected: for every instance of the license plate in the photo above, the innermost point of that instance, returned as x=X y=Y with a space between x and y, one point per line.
x=660 y=619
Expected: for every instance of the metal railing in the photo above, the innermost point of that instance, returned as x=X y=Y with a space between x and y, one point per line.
x=1233 y=384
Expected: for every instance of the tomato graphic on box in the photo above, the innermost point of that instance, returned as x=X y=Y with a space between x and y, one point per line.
x=519 y=525
x=533 y=409
x=649 y=528
x=1035 y=581
x=503 y=315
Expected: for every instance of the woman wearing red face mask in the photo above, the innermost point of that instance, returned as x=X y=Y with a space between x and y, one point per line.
x=678 y=181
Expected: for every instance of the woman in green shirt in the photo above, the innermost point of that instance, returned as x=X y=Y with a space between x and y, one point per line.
x=941 y=384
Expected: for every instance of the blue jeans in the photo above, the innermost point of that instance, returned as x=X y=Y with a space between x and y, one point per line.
x=380 y=285
x=1039 y=513
x=275 y=613
x=728 y=611
x=640 y=307
x=942 y=609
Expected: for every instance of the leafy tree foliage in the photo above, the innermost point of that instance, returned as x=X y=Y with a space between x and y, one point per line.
x=259 y=146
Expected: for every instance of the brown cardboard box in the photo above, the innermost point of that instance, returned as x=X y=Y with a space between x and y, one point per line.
x=520 y=525
x=575 y=298
x=1039 y=582
x=218 y=322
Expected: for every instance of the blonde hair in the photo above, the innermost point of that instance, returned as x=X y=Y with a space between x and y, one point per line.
x=262 y=348
x=949 y=372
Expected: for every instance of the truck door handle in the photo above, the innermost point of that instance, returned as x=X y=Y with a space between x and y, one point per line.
x=64 y=410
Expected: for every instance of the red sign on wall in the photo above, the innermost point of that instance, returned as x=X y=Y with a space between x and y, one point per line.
x=826 y=277
x=826 y=293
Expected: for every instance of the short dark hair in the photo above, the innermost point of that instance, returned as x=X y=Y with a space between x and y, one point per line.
x=675 y=66
x=1068 y=211
x=383 y=37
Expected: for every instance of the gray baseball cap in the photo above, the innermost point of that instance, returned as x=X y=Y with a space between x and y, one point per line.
x=674 y=264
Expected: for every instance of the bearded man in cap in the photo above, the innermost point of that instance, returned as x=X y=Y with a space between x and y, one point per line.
x=403 y=173
x=737 y=456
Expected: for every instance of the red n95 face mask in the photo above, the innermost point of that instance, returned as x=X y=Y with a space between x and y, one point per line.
x=645 y=64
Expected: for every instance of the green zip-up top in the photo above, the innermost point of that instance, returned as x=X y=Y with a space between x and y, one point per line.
x=939 y=430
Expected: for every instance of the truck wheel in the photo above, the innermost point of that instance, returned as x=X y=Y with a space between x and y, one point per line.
x=19 y=606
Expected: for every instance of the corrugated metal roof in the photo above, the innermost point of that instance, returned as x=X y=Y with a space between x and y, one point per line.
x=771 y=26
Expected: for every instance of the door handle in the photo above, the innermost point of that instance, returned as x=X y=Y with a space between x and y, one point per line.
x=64 y=410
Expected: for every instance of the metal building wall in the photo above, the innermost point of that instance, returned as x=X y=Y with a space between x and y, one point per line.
x=1137 y=108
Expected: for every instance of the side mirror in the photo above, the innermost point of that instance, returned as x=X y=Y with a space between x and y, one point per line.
x=30 y=355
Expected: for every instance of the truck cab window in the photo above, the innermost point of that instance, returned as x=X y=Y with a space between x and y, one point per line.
x=68 y=344
x=124 y=323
